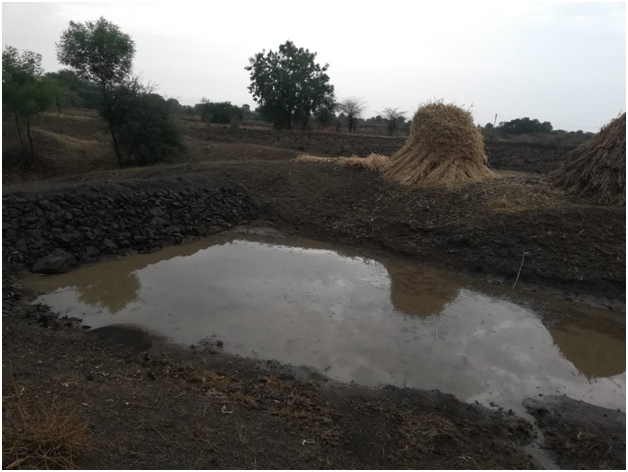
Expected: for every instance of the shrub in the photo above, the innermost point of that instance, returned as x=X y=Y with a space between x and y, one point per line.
x=146 y=128
x=220 y=112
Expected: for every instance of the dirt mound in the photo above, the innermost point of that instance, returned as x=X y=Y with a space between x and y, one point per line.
x=444 y=148
x=596 y=170
x=55 y=154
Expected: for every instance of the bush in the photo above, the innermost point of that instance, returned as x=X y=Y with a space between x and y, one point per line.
x=147 y=132
x=220 y=112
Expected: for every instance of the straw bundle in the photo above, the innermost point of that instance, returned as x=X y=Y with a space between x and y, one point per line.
x=596 y=170
x=375 y=162
x=444 y=148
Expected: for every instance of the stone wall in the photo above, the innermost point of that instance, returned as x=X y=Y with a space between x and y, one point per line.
x=88 y=224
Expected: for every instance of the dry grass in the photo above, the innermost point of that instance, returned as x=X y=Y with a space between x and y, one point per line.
x=374 y=162
x=512 y=195
x=444 y=148
x=596 y=170
x=41 y=437
x=308 y=158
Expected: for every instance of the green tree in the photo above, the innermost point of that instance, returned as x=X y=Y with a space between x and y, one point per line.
x=25 y=92
x=325 y=114
x=73 y=91
x=288 y=82
x=144 y=123
x=220 y=112
x=100 y=53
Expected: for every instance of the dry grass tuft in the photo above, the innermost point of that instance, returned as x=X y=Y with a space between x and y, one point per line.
x=374 y=162
x=596 y=170
x=420 y=430
x=308 y=158
x=444 y=148
x=41 y=438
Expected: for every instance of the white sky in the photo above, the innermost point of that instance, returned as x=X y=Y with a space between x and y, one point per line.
x=564 y=63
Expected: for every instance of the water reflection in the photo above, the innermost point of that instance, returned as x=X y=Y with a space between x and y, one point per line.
x=594 y=354
x=111 y=293
x=372 y=321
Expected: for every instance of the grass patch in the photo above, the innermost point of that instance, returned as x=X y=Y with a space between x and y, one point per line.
x=41 y=437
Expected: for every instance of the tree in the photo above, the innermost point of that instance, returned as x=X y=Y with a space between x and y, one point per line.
x=144 y=124
x=73 y=91
x=326 y=113
x=524 y=126
x=25 y=92
x=288 y=82
x=220 y=112
x=393 y=118
x=353 y=108
x=101 y=53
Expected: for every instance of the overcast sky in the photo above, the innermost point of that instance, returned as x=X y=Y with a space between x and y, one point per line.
x=564 y=63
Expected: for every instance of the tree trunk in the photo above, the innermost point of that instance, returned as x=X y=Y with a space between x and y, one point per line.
x=289 y=120
x=30 y=139
x=107 y=104
x=58 y=106
x=19 y=131
x=115 y=147
x=307 y=118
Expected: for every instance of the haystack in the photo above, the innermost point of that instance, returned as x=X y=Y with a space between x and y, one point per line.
x=596 y=170
x=444 y=148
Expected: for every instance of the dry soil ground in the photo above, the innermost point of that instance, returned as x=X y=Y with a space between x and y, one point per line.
x=149 y=404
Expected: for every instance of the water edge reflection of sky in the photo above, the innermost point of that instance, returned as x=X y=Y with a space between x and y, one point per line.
x=370 y=321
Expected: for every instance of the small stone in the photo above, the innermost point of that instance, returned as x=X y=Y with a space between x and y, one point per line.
x=91 y=251
x=56 y=262
x=110 y=244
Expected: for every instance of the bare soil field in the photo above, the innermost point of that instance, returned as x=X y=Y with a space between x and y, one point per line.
x=504 y=156
x=144 y=403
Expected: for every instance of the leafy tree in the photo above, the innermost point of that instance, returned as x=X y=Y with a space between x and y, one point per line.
x=73 y=91
x=143 y=121
x=326 y=113
x=174 y=105
x=288 y=82
x=353 y=108
x=25 y=92
x=393 y=119
x=100 y=53
x=220 y=112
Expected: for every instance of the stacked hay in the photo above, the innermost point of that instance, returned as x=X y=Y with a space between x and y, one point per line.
x=444 y=148
x=596 y=170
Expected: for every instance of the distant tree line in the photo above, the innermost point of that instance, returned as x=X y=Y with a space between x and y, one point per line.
x=532 y=131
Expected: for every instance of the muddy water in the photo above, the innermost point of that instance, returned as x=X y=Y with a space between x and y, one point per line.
x=356 y=319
